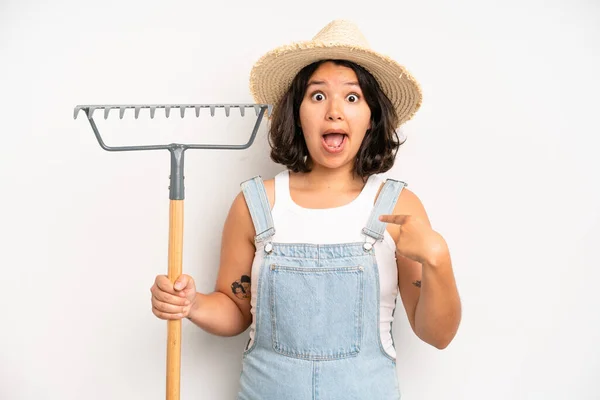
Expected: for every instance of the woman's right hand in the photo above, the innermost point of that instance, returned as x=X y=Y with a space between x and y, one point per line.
x=173 y=301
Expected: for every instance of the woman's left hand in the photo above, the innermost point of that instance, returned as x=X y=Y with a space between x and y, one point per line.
x=416 y=240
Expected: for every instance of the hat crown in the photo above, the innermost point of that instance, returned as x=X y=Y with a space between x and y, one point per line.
x=342 y=32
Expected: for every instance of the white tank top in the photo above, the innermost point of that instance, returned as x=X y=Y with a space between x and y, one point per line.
x=296 y=224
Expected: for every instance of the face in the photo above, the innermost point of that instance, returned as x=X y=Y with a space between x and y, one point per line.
x=334 y=116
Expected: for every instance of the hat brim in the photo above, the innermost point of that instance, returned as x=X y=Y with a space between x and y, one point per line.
x=273 y=73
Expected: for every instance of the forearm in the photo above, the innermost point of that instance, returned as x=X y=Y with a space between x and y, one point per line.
x=438 y=311
x=216 y=313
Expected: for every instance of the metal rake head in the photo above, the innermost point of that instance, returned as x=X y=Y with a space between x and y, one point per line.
x=177 y=149
x=89 y=111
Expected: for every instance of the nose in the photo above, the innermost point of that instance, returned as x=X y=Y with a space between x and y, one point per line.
x=334 y=111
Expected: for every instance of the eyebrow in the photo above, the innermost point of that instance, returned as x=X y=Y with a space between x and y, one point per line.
x=313 y=82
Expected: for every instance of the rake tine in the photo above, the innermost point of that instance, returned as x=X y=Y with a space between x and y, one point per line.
x=89 y=110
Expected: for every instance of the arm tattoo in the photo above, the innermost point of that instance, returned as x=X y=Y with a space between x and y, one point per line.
x=241 y=287
x=417 y=283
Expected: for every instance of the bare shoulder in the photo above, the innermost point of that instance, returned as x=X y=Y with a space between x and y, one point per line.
x=239 y=219
x=408 y=204
x=240 y=206
x=239 y=214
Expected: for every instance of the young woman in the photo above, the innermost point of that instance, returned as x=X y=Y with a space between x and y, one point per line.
x=313 y=260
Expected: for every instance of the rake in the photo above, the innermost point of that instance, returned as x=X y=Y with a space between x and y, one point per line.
x=176 y=196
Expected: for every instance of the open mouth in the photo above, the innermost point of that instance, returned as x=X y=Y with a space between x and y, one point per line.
x=334 y=141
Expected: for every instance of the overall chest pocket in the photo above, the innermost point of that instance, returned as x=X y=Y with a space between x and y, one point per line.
x=316 y=313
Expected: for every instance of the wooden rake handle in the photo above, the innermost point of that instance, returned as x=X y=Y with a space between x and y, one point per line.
x=174 y=326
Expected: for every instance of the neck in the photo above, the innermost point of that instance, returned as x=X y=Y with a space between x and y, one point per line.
x=332 y=178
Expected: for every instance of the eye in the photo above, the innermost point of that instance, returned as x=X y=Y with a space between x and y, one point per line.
x=353 y=98
x=318 y=96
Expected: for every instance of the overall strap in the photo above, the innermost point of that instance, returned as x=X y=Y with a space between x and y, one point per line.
x=384 y=205
x=258 y=205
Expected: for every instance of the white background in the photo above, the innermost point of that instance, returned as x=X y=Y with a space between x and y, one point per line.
x=503 y=154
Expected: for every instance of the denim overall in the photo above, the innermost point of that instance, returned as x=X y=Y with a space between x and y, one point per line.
x=317 y=314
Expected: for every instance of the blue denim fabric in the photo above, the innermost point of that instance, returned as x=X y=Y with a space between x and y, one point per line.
x=317 y=314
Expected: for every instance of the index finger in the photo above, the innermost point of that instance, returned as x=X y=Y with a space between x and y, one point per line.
x=394 y=219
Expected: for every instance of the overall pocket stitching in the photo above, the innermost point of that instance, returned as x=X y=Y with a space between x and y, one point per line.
x=358 y=309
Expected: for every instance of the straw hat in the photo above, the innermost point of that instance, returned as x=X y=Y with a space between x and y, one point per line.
x=273 y=73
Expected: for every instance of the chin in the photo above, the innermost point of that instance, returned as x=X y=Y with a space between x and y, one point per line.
x=333 y=164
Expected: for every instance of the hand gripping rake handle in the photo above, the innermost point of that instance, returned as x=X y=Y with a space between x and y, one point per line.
x=176 y=196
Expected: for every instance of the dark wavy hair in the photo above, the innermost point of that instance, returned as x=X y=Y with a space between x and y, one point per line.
x=380 y=144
